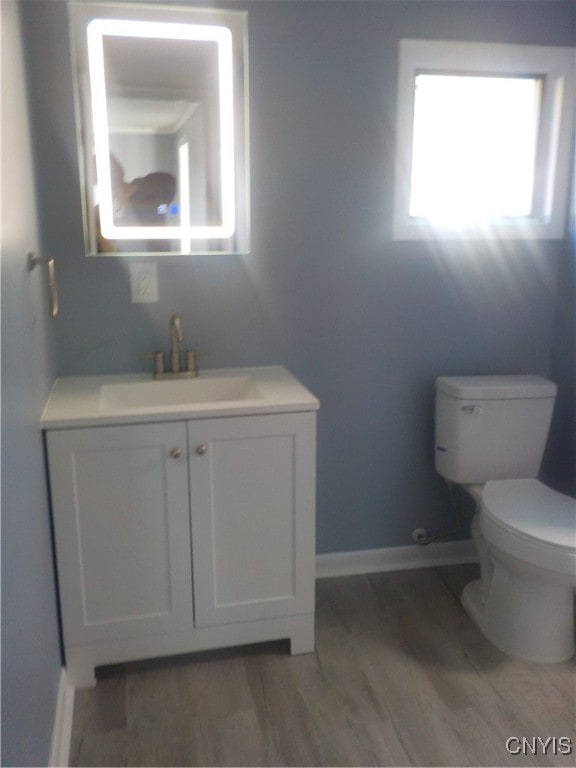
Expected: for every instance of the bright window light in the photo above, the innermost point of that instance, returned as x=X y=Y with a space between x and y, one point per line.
x=483 y=140
x=474 y=147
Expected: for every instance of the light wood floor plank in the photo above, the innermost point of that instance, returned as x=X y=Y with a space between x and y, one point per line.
x=99 y=712
x=400 y=676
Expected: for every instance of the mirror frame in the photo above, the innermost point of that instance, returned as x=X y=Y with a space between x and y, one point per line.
x=90 y=22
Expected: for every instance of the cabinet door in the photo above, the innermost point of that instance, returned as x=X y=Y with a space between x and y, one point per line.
x=252 y=506
x=121 y=517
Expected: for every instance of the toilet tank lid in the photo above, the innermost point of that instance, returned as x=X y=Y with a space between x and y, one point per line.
x=495 y=387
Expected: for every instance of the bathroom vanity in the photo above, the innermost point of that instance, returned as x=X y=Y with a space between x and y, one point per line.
x=184 y=513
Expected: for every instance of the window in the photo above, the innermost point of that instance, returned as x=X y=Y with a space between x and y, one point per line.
x=483 y=140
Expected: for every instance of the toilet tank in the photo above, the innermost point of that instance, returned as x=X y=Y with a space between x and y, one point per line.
x=491 y=427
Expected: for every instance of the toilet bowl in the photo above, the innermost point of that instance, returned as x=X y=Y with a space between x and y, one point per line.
x=525 y=533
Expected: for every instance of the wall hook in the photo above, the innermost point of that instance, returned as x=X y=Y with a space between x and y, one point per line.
x=32 y=260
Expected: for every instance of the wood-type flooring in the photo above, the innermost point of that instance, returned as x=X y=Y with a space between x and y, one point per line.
x=400 y=676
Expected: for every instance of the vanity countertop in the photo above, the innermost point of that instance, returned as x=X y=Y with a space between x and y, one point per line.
x=83 y=401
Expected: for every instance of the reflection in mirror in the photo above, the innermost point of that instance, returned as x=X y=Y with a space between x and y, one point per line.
x=161 y=94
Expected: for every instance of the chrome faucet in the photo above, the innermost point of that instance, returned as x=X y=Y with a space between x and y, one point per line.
x=187 y=368
x=176 y=336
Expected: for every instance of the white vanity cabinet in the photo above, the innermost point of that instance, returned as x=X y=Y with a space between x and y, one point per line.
x=122 y=530
x=183 y=535
x=252 y=501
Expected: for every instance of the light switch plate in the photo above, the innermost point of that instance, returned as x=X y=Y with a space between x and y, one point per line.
x=143 y=282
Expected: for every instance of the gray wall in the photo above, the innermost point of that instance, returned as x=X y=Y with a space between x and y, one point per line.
x=559 y=469
x=365 y=322
x=30 y=645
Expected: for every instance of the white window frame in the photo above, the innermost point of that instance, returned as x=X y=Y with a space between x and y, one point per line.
x=555 y=65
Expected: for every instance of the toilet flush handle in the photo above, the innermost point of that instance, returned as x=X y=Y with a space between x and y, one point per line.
x=473 y=410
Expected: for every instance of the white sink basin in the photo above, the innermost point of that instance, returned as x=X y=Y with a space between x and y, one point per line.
x=83 y=401
x=163 y=393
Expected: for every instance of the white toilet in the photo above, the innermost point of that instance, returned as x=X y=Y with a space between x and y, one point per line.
x=491 y=432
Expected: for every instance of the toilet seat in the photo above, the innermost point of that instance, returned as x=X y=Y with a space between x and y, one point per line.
x=531 y=522
x=530 y=509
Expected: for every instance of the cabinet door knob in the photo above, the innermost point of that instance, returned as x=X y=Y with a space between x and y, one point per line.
x=201 y=450
x=176 y=453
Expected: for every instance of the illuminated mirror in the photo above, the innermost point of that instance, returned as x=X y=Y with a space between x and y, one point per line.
x=162 y=112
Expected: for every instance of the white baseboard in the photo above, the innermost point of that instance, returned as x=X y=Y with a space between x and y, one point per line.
x=395 y=558
x=62 y=732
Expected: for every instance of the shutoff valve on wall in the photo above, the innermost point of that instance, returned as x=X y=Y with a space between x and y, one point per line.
x=420 y=536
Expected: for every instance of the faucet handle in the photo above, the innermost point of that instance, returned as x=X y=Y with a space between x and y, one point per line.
x=191 y=364
x=192 y=356
x=158 y=358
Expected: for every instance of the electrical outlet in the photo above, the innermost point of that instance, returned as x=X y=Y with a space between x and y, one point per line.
x=143 y=282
